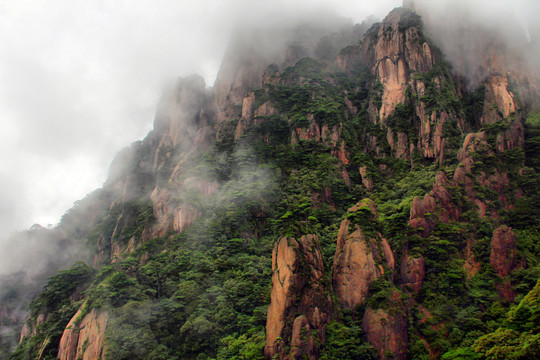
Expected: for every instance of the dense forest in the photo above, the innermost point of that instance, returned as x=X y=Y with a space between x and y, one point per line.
x=349 y=198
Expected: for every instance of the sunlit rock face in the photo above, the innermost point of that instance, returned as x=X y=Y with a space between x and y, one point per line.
x=84 y=336
x=297 y=288
x=360 y=257
x=397 y=50
x=409 y=71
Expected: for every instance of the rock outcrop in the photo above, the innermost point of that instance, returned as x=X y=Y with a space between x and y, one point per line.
x=84 y=336
x=253 y=116
x=366 y=180
x=172 y=208
x=299 y=298
x=30 y=327
x=410 y=107
x=504 y=259
x=403 y=62
x=499 y=100
x=247 y=60
x=361 y=256
x=182 y=125
x=412 y=271
x=422 y=212
x=436 y=206
x=386 y=329
x=396 y=50
x=154 y=169
x=471 y=173
x=302 y=342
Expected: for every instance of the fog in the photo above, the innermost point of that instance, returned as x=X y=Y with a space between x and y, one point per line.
x=469 y=31
x=79 y=80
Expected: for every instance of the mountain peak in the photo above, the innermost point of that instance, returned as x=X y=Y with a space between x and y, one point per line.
x=321 y=201
x=409 y=4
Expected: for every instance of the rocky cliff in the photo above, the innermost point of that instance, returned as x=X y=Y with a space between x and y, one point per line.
x=386 y=329
x=362 y=255
x=84 y=336
x=412 y=73
x=237 y=229
x=300 y=305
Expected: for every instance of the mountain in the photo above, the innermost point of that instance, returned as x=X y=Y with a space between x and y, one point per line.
x=340 y=193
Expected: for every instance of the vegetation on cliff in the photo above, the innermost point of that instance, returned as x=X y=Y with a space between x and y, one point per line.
x=439 y=190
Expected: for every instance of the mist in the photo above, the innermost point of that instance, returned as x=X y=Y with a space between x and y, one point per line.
x=468 y=32
x=80 y=80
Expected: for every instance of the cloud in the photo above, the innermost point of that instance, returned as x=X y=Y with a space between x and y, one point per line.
x=467 y=31
x=79 y=80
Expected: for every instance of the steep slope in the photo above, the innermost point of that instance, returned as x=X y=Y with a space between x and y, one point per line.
x=316 y=203
x=299 y=297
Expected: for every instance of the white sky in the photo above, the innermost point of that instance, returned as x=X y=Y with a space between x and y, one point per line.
x=80 y=79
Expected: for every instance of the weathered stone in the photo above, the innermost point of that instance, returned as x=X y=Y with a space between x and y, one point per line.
x=354 y=267
x=392 y=54
x=358 y=260
x=172 y=215
x=396 y=53
x=417 y=208
x=284 y=261
x=429 y=203
x=504 y=259
x=366 y=181
x=84 y=338
x=386 y=330
x=418 y=213
x=302 y=342
x=449 y=210
x=388 y=254
x=297 y=288
x=412 y=271
x=67 y=349
x=266 y=109
x=499 y=102
x=474 y=142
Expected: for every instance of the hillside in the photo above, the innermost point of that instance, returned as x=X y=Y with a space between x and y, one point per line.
x=340 y=196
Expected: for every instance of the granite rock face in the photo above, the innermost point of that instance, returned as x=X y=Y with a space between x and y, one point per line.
x=504 y=259
x=386 y=330
x=297 y=288
x=360 y=257
x=84 y=337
